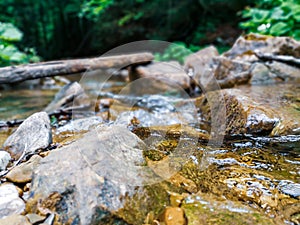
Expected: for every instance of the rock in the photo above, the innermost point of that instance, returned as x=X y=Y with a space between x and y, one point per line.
x=71 y=95
x=95 y=180
x=173 y=216
x=78 y=125
x=243 y=115
x=260 y=74
x=34 y=218
x=197 y=63
x=32 y=135
x=246 y=45
x=159 y=77
x=230 y=73
x=4 y=160
x=290 y=188
x=205 y=211
x=23 y=172
x=10 y=203
x=15 y=220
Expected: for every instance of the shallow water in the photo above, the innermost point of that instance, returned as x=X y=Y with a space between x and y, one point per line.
x=259 y=174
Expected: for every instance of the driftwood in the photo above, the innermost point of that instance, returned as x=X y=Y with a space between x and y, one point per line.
x=290 y=60
x=13 y=74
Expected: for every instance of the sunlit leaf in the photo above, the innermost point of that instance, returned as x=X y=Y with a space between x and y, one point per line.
x=279 y=28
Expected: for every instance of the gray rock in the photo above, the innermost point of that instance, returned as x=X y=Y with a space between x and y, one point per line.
x=94 y=180
x=10 y=203
x=4 y=160
x=78 y=125
x=290 y=188
x=33 y=134
x=71 y=95
x=15 y=220
x=159 y=77
x=23 y=172
x=35 y=218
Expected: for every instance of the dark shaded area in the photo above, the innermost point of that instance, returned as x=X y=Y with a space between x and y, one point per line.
x=56 y=30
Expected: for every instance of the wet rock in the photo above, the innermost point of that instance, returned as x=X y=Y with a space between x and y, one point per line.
x=10 y=203
x=290 y=188
x=283 y=71
x=94 y=180
x=201 y=210
x=78 y=125
x=159 y=77
x=4 y=160
x=70 y=96
x=32 y=135
x=230 y=72
x=23 y=172
x=246 y=45
x=243 y=114
x=15 y=220
x=173 y=216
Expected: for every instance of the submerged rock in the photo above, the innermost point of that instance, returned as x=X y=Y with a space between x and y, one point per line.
x=23 y=172
x=71 y=95
x=10 y=203
x=15 y=220
x=32 y=135
x=95 y=180
x=4 y=160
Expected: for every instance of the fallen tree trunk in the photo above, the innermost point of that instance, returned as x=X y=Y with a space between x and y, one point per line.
x=14 y=74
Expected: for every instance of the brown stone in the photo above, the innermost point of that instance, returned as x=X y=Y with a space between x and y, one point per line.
x=23 y=172
x=173 y=216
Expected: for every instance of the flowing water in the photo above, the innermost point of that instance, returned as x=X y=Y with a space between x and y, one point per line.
x=250 y=180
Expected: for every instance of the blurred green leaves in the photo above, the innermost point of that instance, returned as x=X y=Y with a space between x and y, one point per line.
x=277 y=18
x=9 y=53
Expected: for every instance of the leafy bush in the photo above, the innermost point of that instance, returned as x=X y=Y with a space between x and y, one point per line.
x=177 y=51
x=9 y=53
x=273 y=17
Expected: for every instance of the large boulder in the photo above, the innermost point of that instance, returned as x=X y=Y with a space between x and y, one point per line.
x=32 y=135
x=243 y=115
x=251 y=110
x=97 y=180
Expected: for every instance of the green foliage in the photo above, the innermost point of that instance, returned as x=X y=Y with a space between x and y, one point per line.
x=177 y=51
x=92 y=9
x=9 y=53
x=273 y=17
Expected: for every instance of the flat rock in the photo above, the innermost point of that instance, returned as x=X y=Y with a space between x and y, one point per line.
x=71 y=95
x=15 y=220
x=159 y=77
x=32 y=135
x=10 y=203
x=23 y=172
x=4 y=159
x=246 y=45
x=95 y=180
